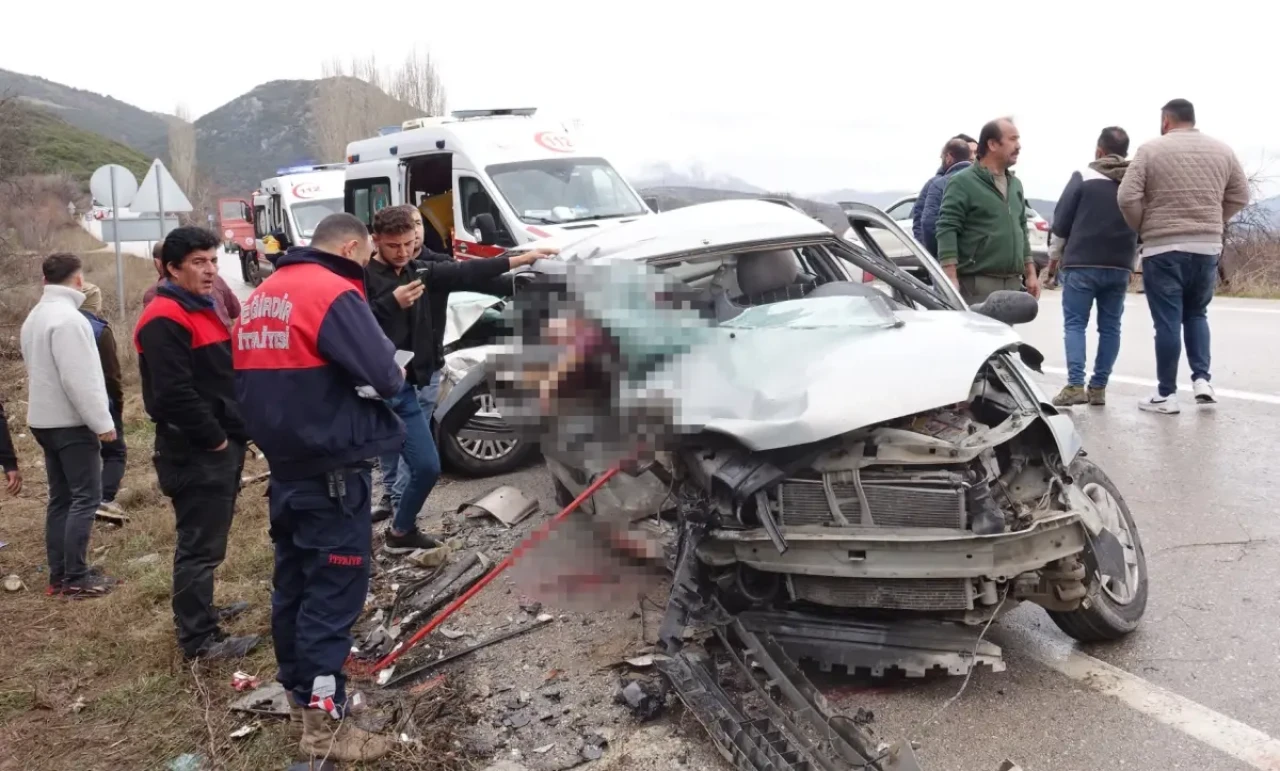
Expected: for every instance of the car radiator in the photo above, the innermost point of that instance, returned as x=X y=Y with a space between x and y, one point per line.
x=926 y=499
x=897 y=500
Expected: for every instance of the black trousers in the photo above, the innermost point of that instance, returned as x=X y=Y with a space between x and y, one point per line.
x=114 y=457
x=75 y=490
x=203 y=486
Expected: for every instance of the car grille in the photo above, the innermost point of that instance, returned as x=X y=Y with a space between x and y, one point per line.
x=893 y=501
x=885 y=593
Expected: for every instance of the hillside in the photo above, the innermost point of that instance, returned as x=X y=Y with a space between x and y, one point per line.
x=59 y=147
x=276 y=125
x=87 y=111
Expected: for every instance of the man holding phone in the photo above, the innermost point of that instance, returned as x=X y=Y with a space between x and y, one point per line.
x=401 y=287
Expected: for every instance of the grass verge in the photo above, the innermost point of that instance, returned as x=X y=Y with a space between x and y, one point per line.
x=100 y=684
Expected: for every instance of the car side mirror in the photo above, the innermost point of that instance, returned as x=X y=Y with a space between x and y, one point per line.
x=1009 y=306
x=486 y=228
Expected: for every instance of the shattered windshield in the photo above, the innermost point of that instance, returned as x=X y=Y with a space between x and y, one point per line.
x=556 y=190
x=868 y=312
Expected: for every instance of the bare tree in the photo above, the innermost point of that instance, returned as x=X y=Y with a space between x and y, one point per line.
x=1250 y=261
x=418 y=83
x=346 y=108
x=182 y=148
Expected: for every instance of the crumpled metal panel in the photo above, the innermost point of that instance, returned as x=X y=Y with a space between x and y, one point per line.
x=781 y=386
x=465 y=309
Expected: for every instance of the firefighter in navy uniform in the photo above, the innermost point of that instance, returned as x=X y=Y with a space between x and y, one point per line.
x=305 y=342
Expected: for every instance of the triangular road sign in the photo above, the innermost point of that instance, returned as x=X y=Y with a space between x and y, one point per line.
x=159 y=181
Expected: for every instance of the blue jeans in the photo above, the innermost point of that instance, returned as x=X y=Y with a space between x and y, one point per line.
x=1081 y=287
x=1179 y=287
x=411 y=483
x=427 y=398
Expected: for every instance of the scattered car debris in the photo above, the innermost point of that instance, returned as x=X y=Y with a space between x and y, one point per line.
x=506 y=504
x=269 y=699
x=249 y=480
x=429 y=558
x=188 y=762
x=243 y=681
x=385 y=675
x=13 y=584
x=593 y=746
x=643 y=698
x=530 y=607
x=452 y=634
x=414 y=673
x=518 y=719
x=244 y=730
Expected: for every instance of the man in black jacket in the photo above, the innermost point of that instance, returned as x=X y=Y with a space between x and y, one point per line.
x=403 y=291
x=188 y=389
x=1096 y=249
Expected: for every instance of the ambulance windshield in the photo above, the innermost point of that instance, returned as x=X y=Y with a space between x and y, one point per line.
x=309 y=214
x=557 y=190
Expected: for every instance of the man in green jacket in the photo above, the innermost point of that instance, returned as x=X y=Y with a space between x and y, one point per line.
x=982 y=225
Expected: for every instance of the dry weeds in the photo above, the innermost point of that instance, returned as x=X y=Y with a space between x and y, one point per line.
x=143 y=706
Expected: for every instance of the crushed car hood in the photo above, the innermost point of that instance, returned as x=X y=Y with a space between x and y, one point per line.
x=802 y=371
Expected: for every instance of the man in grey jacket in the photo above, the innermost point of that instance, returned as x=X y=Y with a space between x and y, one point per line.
x=68 y=414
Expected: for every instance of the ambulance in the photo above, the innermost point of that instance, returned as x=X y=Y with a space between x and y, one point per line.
x=286 y=210
x=489 y=180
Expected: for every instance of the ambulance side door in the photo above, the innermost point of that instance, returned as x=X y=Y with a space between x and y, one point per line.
x=480 y=230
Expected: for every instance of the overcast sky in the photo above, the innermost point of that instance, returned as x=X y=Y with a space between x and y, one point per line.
x=801 y=96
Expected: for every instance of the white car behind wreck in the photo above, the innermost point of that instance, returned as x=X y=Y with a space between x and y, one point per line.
x=860 y=458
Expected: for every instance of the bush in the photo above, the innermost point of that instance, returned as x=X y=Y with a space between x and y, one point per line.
x=1251 y=264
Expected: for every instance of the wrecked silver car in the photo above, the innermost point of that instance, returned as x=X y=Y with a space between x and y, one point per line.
x=865 y=467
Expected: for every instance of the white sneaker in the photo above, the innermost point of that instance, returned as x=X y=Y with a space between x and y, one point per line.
x=1165 y=405
x=1204 y=392
x=111 y=507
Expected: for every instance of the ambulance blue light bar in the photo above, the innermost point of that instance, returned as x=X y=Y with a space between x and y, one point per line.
x=521 y=111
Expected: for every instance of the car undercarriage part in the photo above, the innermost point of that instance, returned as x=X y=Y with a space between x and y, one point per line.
x=801 y=734
x=913 y=646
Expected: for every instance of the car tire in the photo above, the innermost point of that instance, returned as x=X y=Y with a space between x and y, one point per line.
x=1100 y=616
x=466 y=464
x=469 y=464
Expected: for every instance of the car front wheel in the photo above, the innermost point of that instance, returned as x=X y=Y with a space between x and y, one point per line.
x=1114 y=604
x=484 y=446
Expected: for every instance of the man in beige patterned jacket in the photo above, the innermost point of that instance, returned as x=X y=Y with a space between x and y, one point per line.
x=1179 y=192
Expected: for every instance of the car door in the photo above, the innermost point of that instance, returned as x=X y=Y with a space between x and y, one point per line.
x=879 y=233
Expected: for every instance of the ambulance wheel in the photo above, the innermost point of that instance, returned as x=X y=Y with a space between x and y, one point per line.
x=251 y=269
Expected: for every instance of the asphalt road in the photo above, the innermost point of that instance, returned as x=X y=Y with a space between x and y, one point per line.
x=1198 y=686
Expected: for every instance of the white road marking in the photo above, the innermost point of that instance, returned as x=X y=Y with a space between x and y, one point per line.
x=1227 y=393
x=1213 y=307
x=1229 y=736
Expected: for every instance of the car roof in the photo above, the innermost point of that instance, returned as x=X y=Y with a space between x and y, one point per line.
x=701 y=227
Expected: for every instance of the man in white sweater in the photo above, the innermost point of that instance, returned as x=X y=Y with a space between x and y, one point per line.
x=68 y=414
